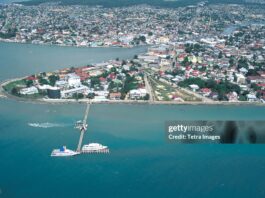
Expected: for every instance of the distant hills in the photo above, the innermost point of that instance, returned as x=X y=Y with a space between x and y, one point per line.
x=122 y=3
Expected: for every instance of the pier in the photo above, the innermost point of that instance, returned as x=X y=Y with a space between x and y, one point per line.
x=83 y=128
x=96 y=152
x=86 y=149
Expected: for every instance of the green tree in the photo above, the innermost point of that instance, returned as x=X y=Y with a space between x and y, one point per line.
x=150 y=33
x=43 y=81
x=53 y=79
x=142 y=39
x=220 y=55
x=94 y=81
x=29 y=83
x=255 y=87
x=243 y=62
x=123 y=62
x=91 y=95
x=15 y=91
x=78 y=96
x=186 y=61
x=146 y=97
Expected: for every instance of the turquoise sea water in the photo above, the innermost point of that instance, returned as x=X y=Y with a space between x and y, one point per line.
x=141 y=162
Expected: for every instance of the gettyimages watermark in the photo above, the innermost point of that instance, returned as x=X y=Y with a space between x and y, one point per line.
x=216 y=132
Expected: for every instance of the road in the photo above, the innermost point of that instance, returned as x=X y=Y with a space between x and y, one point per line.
x=149 y=88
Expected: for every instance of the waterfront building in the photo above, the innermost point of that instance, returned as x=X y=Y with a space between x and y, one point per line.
x=73 y=80
x=115 y=96
x=137 y=93
x=70 y=92
x=29 y=91
x=54 y=93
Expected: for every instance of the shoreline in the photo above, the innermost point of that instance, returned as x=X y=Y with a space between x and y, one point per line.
x=76 y=46
x=6 y=95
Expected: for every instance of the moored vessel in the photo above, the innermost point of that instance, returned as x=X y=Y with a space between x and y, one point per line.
x=63 y=152
x=95 y=148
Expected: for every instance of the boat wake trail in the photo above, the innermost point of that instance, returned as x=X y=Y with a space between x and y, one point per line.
x=47 y=125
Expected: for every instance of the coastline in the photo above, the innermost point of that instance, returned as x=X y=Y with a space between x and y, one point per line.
x=58 y=45
x=6 y=95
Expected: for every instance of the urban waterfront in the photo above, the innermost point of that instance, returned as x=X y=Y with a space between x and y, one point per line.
x=141 y=162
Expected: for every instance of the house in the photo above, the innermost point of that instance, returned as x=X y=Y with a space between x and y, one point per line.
x=241 y=79
x=256 y=79
x=194 y=87
x=232 y=96
x=244 y=87
x=61 y=83
x=102 y=80
x=165 y=62
x=176 y=97
x=205 y=91
x=177 y=79
x=33 y=78
x=29 y=91
x=214 y=95
x=100 y=99
x=112 y=76
x=261 y=85
x=195 y=73
x=243 y=70
x=73 y=80
x=251 y=97
x=126 y=67
x=261 y=73
x=155 y=65
x=115 y=96
x=137 y=93
x=102 y=93
x=168 y=76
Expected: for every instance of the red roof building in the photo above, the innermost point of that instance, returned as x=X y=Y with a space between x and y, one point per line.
x=31 y=78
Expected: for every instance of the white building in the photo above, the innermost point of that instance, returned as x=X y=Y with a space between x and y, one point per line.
x=241 y=79
x=194 y=87
x=101 y=93
x=100 y=99
x=61 y=83
x=70 y=92
x=73 y=80
x=29 y=91
x=137 y=93
x=251 y=97
x=45 y=87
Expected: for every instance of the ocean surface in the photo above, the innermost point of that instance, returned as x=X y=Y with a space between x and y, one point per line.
x=141 y=162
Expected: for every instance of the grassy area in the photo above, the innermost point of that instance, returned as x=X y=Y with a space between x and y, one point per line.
x=165 y=92
x=33 y=96
x=162 y=90
x=188 y=97
x=19 y=83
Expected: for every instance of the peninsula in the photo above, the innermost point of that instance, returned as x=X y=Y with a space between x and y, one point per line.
x=152 y=77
